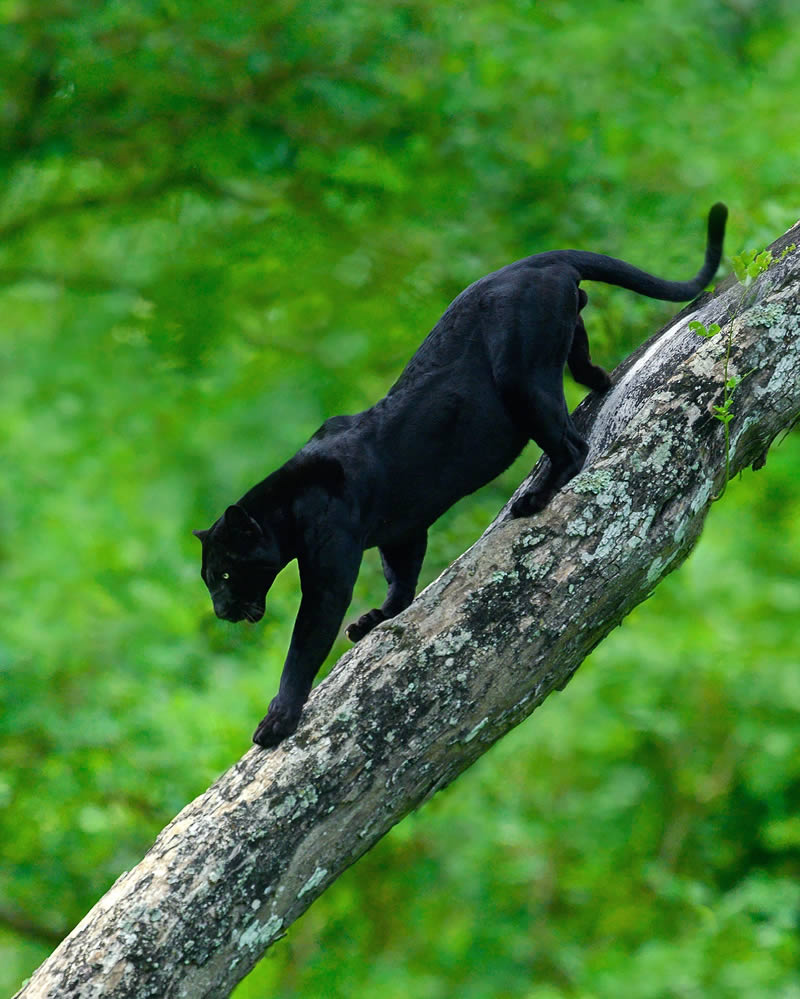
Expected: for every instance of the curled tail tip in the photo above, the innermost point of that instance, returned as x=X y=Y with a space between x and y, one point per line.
x=716 y=222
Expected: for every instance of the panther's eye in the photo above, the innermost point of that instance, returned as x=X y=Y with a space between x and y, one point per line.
x=226 y=575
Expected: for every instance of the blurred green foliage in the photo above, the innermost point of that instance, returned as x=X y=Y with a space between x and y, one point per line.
x=221 y=223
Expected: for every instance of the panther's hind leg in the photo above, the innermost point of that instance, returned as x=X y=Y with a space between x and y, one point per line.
x=529 y=371
x=551 y=427
x=579 y=359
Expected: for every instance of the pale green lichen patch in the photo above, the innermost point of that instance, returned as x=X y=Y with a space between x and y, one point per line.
x=662 y=398
x=473 y=732
x=316 y=879
x=655 y=570
x=286 y=807
x=784 y=377
x=345 y=712
x=530 y=540
x=705 y=362
x=702 y=497
x=660 y=566
x=309 y=795
x=450 y=644
x=611 y=539
x=258 y=934
x=536 y=565
x=766 y=315
x=662 y=455
x=595 y=482
x=577 y=528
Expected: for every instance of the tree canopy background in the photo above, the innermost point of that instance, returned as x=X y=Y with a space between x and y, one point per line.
x=222 y=223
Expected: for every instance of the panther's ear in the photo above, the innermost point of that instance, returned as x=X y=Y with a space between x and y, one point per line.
x=200 y=534
x=237 y=520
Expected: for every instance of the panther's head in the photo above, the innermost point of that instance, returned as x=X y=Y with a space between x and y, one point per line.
x=240 y=562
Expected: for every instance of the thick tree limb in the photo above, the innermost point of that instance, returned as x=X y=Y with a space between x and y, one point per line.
x=178 y=179
x=28 y=928
x=423 y=696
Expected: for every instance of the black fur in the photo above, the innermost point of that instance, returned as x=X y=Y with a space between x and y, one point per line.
x=486 y=380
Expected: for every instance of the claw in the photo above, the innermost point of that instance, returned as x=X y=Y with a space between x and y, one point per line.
x=356 y=631
x=280 y=721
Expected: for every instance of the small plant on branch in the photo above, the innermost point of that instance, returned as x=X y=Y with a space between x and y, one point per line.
x=747 y=266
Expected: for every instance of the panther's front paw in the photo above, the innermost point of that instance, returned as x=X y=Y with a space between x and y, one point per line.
x=364 y=624
x=281 y=720
x=529 y=503
x=600 y=380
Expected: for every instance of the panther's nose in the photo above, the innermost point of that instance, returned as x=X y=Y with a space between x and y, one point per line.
x=228 y=612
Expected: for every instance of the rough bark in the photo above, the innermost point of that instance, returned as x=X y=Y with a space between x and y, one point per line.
x=418 y=700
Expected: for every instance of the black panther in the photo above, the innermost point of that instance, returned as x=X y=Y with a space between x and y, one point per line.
x=487 y=379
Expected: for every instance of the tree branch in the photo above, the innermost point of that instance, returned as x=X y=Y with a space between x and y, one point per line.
x=89 y=284
x=175 y=180
x=415 y=703
x=26 y=927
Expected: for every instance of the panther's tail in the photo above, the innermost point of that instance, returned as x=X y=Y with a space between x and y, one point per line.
x=597 y=267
